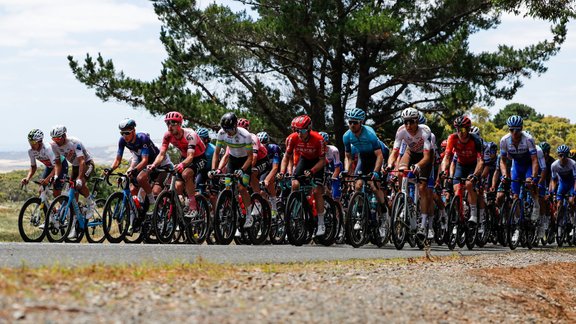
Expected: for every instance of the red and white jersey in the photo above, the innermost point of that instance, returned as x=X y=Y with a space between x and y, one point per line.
x=418 y=143
x=258 y=148
x=187 y=142
x=44 y=155
x=312 y=149
x=71 y=150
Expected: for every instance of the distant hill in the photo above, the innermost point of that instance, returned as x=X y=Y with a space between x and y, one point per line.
x=19 y=160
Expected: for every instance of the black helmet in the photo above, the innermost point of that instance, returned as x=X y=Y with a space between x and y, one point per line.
x=228 y=121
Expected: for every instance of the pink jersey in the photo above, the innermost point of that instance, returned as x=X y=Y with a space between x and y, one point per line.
x=189 y=141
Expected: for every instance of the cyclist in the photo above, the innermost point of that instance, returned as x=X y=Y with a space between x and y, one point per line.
x=370 y=156
x=260 y=161
x=82 y=166
x=563 y=177
x=38 y=151
x=239 y=143
x=521 y=149
x=192 y=157
x=269 y=175
x=143 y=153
x=311 y=149
x=334 y=166
x=202 y=175
x=418 y=156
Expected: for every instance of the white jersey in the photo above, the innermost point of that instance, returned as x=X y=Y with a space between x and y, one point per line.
x=540 y=157
x=333 y=155
x=565 y=172
x=44 y=155
x=520 y=153
x=71 y=151
x=417 y=143
x=240 y=144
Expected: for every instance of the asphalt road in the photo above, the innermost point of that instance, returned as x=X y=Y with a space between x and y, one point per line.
x=47 y=254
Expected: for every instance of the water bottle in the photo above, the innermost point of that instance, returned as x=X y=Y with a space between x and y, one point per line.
x=241 y=203
x=373 y=205
x=312 y=203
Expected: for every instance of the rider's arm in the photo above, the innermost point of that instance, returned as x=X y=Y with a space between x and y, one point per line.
x=224 y=160
x=248 y=163
x=116 y=163
x=31 y=172
x=348 y=161
x=504 y=167
x=479 y=166
x=216 y=157
x=535 y=165
x=81 y=168
x=427 y=159
x=392 y=158
x=160 y=157
x=379 y=160
x=143 y=163
x=285 y=160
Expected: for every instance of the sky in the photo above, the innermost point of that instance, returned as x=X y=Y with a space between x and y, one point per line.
x=38 y=89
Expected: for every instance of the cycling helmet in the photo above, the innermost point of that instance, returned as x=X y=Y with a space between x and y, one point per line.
x=356 y=114
x=444 y=143
x=325 y=136
x=563 y=149
x=175 y=116
x=545 y=147
x=35 y=135
x=475 y=130
x=263 y=137
x=462 y=122
x=58 y=131
x=421 y=119
x=515 y=121
x=229 y=121
x=410 y=113
x=203 y=133
x=127 y=123
x=302 y=122
x=244 y=123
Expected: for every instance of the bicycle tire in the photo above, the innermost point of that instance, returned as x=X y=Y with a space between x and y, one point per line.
x=29 y=221
x=116 y=217
x=453 y=220
x=258 y=232
x=165 y=218
x=296 y=219
x=330 y=222
x=95 y=227
x=358 y=212
x=197 y=230
x=561 y=226
x=398 y=222
x=59 y=228
x=278 y=226
x=514 y=224
x=225 y=218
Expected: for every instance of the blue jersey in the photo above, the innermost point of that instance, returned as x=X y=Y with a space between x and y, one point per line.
x=142 y=146
x=365 y=144
x=274 y=153
x=385 y=150
x=210 y=148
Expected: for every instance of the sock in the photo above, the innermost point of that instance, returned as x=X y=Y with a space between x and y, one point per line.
x=481 y=215
x=150 y=196
x=321 y=218
x=424 y=220
x=273 y=203
x=473 y=212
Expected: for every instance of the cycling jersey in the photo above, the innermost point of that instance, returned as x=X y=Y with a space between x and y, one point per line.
x=332 y=157
x=366 y=142
x=142 y=146
x=565 y=175
x=540 y=158
x=274 y=153
x=258 y=148
x=385 y=150
x=468 y=152
x=520 y=153
x=189 y=141
x=44 y=155
x=210 y=148
x=240 y=144
x=417 y=143
x=313 y=149
x=71 y=150
x=490 y=150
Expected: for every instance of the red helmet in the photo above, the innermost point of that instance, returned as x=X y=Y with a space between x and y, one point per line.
x=175 y=116
x=244 y=123
x=444 y=143
x=462 y=122
x=302 y=122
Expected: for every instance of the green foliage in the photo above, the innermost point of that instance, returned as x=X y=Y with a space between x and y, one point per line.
x=322 y=57
x=524 y=111
x=10 y=186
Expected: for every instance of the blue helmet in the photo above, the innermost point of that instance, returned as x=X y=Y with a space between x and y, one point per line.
x=421 y=118
x=263 y=137
x=356 y=114
x=203 y=132
x=563 y=149
x=515 y=121
x=127 y=123
x=325 y=136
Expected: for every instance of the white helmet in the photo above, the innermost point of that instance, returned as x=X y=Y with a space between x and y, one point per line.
x=475 y=130
x=58 y=131
x=410 y=113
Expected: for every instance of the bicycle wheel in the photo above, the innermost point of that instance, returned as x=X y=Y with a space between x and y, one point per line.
x=453 y=220
x=165 y=219
x=482 y=238
x=277 y=226
x=503 y=223
x=32 y=220
x=225 y=218
x=197 y=229
x=514 y=228
x=561 y=226
x=296 y=218
x=341 y=235
x=59 y=225
x=258 y=232
x=330 y=223
x=95 y=227
x=398 y=222
x=357 y=220
x=116 y=217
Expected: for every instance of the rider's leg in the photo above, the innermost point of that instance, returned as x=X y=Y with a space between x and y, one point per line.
x=472 y=200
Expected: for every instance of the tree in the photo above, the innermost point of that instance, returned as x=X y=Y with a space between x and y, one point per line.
x=524 y=111
x=321 y=57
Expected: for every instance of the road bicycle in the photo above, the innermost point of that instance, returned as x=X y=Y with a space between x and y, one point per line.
x=521 y=230
x=406 y=212
x=459 y=231
x=31 y=218
x=564 y=222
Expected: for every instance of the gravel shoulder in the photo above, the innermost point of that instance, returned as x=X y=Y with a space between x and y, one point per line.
x=527 y=286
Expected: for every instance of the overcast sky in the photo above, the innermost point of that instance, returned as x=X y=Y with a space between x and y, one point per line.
x=38 y=90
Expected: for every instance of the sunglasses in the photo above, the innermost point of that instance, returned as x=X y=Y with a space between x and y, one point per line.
x=462 y=130
x=33 y=142
x=562 y=155
x=57 y=138
x=228 y=130
x=515 y=130
x=353 y=122
x=409 y=121
x=172 y=123
x=302 y=131
x=124 y=133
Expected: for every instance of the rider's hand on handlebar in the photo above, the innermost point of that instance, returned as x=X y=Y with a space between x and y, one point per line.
x=212 y=173
x=279 y=176
x=24 y=181
x=239 y=173
x=388 y=168
x=79 y=183
x=179 y=167
x=150 y=167
x=307 y=173
x=415 y=169
x=375 y=175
